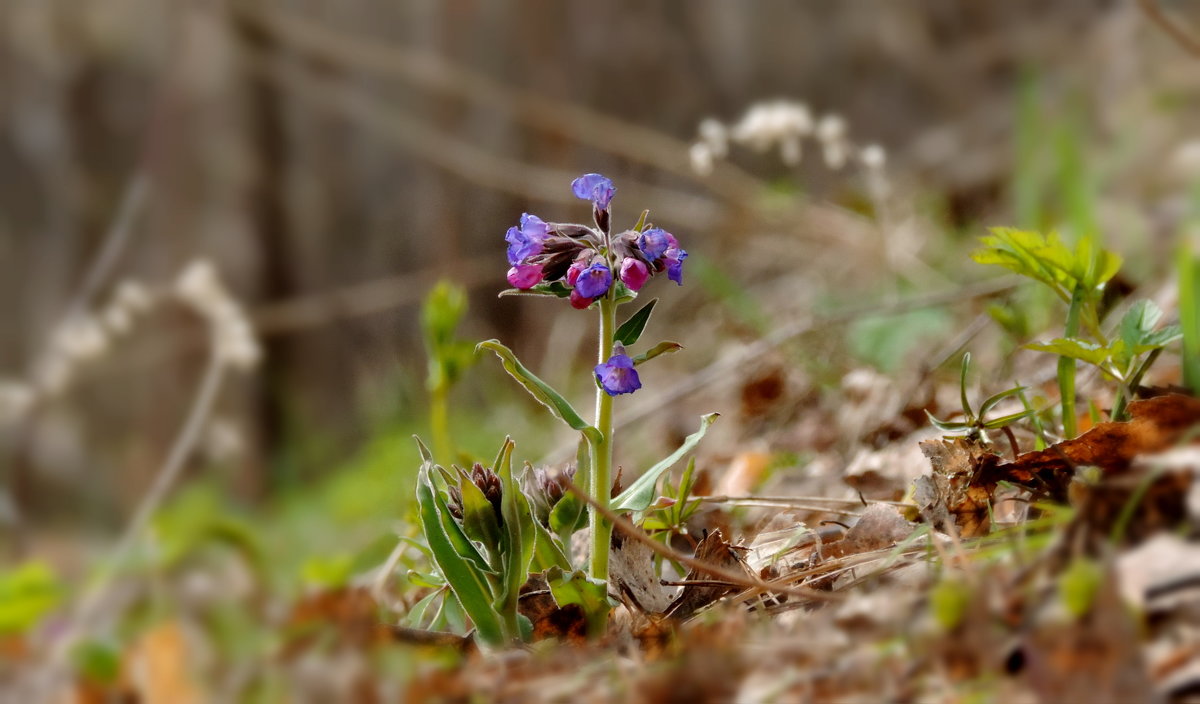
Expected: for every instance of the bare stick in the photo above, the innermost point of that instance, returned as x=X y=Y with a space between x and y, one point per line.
x=1189 y=43
x=181 y=449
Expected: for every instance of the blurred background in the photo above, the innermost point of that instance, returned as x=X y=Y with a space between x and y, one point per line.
x=333 y=161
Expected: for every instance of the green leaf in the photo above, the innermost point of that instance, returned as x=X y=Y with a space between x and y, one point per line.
x=27 y=594
x=516 y=547
x=540 y=390
x=641 y=223
x=576 y=588
x=570 y=513
x=1009 y=419
x=947 y=426
x=659 y=349
x=1078 y=585
x=1074 y=348
x=554 y=289
x=962 y=387
x=631 y=329
x=992 y=401
x=463 y=573
x=948 y=600
x=415 y=618
x=547 y=552
x=640 y=494
x=479 y=516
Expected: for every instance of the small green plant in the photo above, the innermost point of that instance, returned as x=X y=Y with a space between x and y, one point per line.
x=487 y=531
x=449 y=357
x=1077 y=276
x=977 y=425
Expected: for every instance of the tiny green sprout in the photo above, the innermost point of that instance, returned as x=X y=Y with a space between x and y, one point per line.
x=948 y=601
x=977 y=425
x=1078 y=586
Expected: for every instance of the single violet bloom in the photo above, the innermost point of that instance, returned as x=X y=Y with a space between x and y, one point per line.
x=593 y=282
x=674 y=259
x=527 y=239
x=524 y=276
x=595 y=188
x=617 y=375
x=654 y=242
x=634 y=273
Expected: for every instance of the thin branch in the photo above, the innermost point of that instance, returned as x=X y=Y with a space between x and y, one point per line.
x=182 y=448
x=753 y=584
x=1189 y=43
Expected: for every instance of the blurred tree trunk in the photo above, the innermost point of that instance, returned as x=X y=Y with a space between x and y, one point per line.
x=267 y=214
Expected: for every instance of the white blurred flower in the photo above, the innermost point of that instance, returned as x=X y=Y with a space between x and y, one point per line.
x=714 y=134
x=831 y=128
x=873 y=157
x=81 y=338
x=16 y=398
x=133 y=297
x=200 y=287
x=701 y=156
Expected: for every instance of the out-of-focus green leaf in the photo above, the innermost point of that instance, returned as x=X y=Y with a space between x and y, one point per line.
x=27 y=593
x=415 y=618
x=631 y=330
x=640 y=494
x=328 y=572
x=659 y=349
x=1078 y=585
x=948 y=601
x=1082 y=350
x=576 y=588
x=540 y=390
x=96 y=661
x=1047 y=259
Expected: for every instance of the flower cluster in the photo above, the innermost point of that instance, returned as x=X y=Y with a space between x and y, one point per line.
x=579 y=261
x=784 y=125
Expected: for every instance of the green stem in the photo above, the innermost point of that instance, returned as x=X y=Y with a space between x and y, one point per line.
x=1066 y=365
x=601 y=484
x=439 y=424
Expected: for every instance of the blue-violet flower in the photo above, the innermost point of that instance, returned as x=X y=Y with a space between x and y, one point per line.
x=526 y=240
x=617 y=375
x=595 y=188
x=594 y=281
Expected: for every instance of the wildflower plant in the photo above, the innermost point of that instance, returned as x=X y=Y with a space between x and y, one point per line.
x=487 y=529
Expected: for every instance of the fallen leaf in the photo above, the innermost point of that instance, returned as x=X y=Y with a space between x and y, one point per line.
x=713 y=550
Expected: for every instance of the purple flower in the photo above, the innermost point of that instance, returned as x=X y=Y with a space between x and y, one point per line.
x=594 y=281
x=674 y=258
x=527 y=239
x=654 y=242
x=617 y=375
x=595 y=188
x=525 y=276
x=579 y=302
x=634 y=273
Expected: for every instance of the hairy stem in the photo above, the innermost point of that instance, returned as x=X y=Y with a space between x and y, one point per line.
x=602 y=451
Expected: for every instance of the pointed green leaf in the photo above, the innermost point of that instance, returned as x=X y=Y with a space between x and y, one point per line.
x=962 y=387
x=540 y=390
x=659 y=349
x=640 y=494
x=641 y=223
x=631 y=329
x=945 y=425
x=468 y=583
x=518 y=536
x=570 y=513
x=1008 y=420
x=992 y=401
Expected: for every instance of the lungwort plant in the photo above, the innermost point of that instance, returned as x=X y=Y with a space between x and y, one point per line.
x=488 y=531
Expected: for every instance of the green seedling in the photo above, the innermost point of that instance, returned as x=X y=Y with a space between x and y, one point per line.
x=975 y=424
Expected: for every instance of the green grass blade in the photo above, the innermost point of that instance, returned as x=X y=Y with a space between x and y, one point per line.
x=640 y=494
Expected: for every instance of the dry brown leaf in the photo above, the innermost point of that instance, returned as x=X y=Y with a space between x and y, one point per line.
x=158 y=667
x=713 y=550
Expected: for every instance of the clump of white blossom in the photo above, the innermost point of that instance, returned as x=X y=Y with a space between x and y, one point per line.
x=85 y=337
x=785 y=126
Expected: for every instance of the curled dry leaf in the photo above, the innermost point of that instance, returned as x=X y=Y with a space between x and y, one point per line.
x=713 y=550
